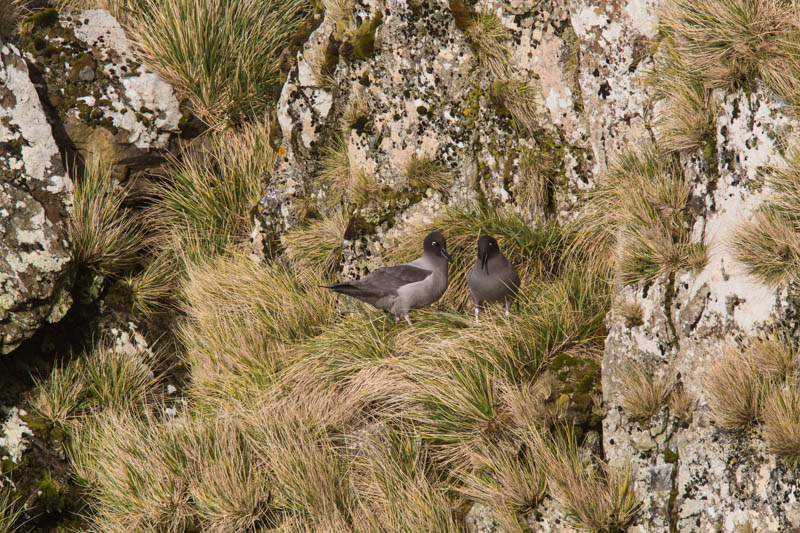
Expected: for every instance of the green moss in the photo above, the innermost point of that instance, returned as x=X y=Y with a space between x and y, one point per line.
x=361 y=43
x=51 y=497
x=43 y=19
x=7 y=466
x=670 y=456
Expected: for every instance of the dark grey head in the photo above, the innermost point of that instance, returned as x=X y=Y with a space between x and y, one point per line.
x=435 y=244
x=487 y=247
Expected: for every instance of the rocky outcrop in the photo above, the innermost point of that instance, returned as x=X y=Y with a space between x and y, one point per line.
x=695 y=475
x=108 y=104
x=36 y=273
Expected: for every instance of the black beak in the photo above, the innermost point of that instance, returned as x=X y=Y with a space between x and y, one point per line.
x=485 y=261
x=446 y=256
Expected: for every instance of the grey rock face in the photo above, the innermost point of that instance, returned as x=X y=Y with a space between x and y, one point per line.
x=109 y=103
x=696 y=476
x=35 y=262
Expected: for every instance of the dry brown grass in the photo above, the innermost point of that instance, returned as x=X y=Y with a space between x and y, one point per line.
x=594 y=497
x=727 y=42
x=60 y=397
x=105 y=235
x=642 y=393
x=685 y=121
x=734 y=389
x=781 y=413
x=637 y=220
x=490 y=39
x=537 y=168
x=317 y=245
x=346 y=183
x=681 y=403
x=427 y=172
x=520 y=99
x=10 y=13
x=631 y=312
x=774 y=355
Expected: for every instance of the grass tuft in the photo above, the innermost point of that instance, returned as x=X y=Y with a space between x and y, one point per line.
x=769 y=247
x=61 y=396
x=537 y=169
x=642 y=394
x=10 y=510
x=203 y=208
x=681 y=403
x=117 y=380
x=734 y=389
x=781 y=414
x=427 y=172
x=594 y=498
x=638 y=220
x=729 y=42
x=489 y=39
x=105 y=236
x=225 y=56
x=317 y=245
x=10 y=13
x=519 y=99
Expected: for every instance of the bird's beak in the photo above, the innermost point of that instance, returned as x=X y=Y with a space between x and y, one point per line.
x=485 y=261
x=446 y=256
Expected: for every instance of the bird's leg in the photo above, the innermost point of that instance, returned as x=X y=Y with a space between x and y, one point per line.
x=508 y=306
x=408 y=320
x=476 y=315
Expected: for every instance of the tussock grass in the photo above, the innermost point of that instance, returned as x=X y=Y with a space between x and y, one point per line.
x=206 y=202
x=152 y=289
x=594 y=498
x=340 y=12
x=535 y=250
x=637 y=220
x=241 y=315
x=310 y=474
x=775 y=356
x=356 y=114
x=781 y=412
x=223 y=55
x=519 y=98
x=681 y=403
x=631 y=312
x=428 y=172
x=117 y=380
x=105 y=236
x=643 y=394
x=359 y=341
x=10 y=508
x=687 y=116
x=345 y=182
x=734 y=389
x=60 y=397
x=727 y=42
x=770 y=246
x=537 y=169
x=506 y=478
x=399 y=489
x=489 y=39
x=317 y=245
x=103 y=378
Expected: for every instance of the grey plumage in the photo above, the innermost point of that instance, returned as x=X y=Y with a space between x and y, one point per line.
x=412 y=285
x=492 y=279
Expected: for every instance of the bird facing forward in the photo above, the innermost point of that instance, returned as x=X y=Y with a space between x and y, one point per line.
x=492 y=279
x=412 y=285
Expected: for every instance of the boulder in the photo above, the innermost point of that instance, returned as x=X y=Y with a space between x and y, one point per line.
x=36 y=271
x=106 y=101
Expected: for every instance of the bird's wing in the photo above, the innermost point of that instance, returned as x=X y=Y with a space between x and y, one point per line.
x=383 y=281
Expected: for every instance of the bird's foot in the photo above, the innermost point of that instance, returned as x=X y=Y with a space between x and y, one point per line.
x=407 y=319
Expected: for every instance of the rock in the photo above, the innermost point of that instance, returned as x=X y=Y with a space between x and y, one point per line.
x=719 y=480
x=108 y=103
x=36 y=271
x=479 y=520
x=14 y=432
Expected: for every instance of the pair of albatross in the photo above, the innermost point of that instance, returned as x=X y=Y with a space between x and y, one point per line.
x=419 y=283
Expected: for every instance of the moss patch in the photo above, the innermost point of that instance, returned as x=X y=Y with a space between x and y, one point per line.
x=361 y=43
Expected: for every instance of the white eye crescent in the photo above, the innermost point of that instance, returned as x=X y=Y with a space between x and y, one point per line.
x=435 y=243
